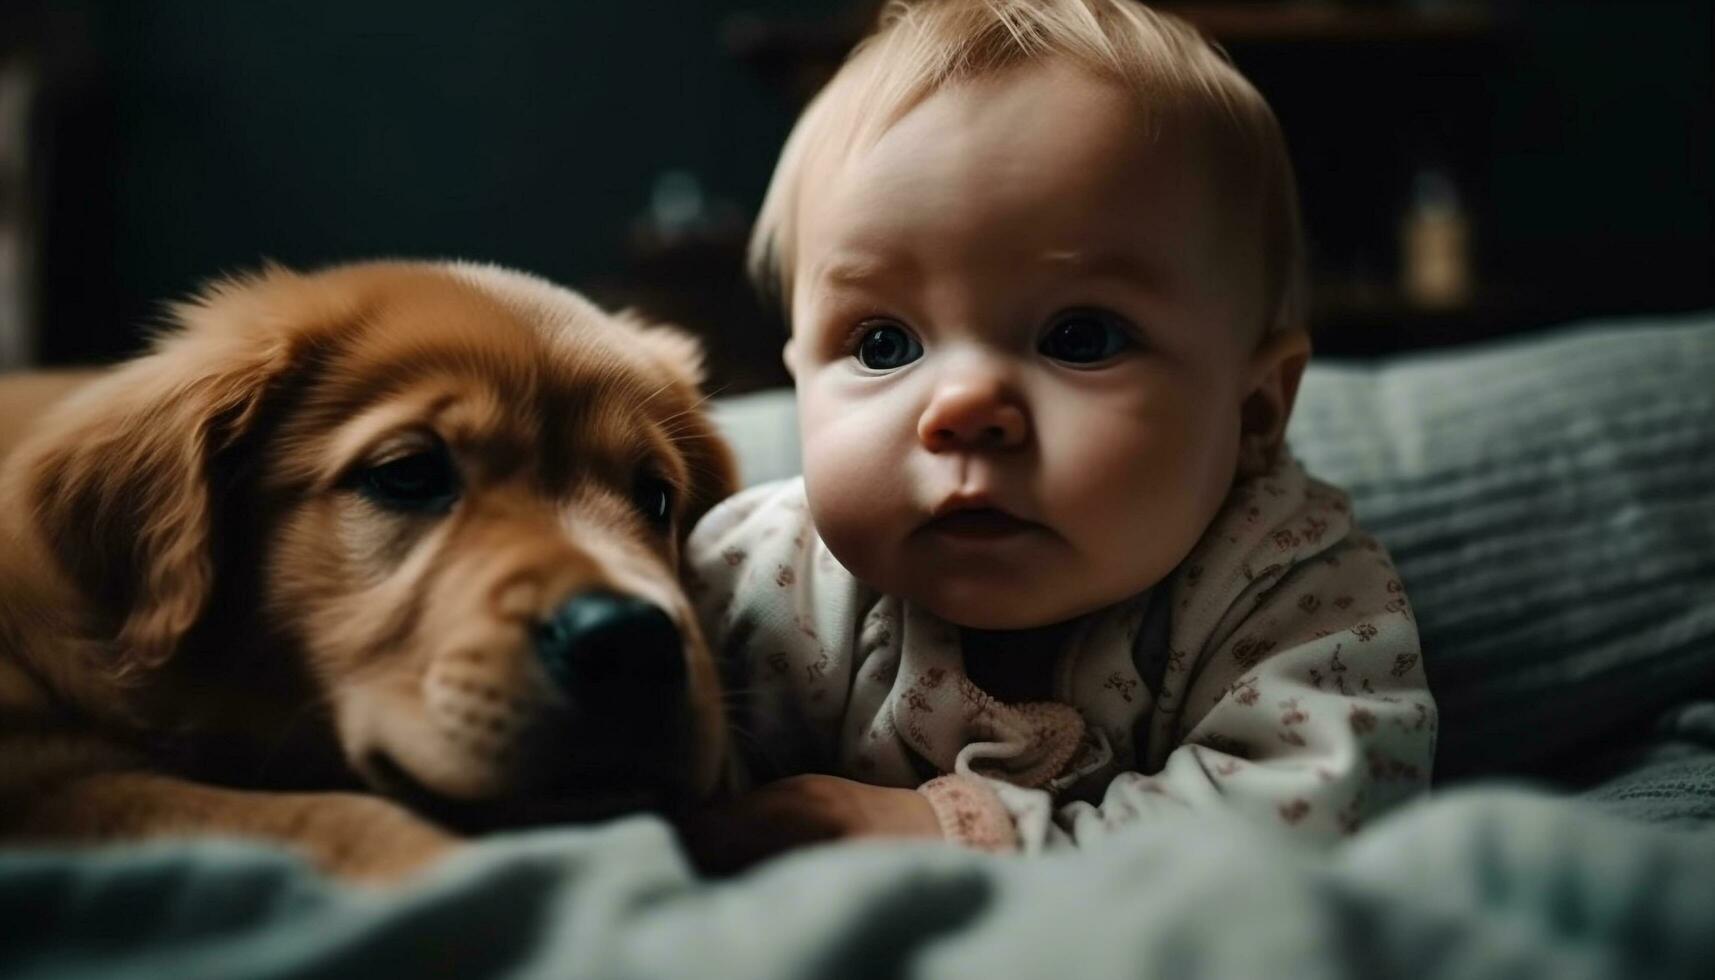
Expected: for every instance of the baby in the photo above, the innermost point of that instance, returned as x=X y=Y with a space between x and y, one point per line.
x=1050 y=569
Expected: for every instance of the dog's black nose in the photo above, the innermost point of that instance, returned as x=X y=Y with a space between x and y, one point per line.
x=600 y=647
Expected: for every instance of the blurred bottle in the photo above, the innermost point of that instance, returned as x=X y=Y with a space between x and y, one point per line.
x=676 y=204
x=681 y=215
x=1435 y=243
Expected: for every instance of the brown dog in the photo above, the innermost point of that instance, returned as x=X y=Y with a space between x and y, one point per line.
x=407 y=529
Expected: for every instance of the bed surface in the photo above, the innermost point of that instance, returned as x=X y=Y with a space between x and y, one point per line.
x=1551 y=505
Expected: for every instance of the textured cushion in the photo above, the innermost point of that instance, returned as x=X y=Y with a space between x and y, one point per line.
x=1550 y=503
x=1666 y=777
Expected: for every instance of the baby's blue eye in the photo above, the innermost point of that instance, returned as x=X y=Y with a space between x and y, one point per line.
x=886 y=346
x=1082 y=337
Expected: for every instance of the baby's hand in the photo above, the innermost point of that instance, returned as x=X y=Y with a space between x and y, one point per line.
x=803 y=810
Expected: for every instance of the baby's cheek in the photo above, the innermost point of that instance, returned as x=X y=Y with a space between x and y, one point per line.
x=855 y=454
x=847 y=504
x=1105 y=471
x=1137 y=500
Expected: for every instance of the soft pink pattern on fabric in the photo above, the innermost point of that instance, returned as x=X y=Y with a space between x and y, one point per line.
x=1276 y=674
x=970 y=813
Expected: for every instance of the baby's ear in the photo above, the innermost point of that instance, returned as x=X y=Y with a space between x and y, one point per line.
x=1272 y=386
x=788 y=356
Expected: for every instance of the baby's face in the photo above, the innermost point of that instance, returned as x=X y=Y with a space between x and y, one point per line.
x=1020 y=350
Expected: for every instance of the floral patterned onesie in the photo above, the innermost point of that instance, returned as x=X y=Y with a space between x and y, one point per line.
x=1275 y=673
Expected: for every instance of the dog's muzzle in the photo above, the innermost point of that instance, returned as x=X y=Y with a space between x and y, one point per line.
x=611 y=654
x=613 y=735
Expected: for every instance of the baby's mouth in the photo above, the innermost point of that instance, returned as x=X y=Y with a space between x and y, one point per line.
x=978 y=524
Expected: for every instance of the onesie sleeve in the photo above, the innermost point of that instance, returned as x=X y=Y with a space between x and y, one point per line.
x=779 y=616
x=1292 y=691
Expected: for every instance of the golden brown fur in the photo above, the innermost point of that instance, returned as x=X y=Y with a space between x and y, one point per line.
x=216 y=617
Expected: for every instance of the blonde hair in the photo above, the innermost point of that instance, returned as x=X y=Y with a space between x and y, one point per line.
x=1181 y=80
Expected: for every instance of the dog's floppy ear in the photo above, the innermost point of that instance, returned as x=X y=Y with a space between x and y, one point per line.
x=677 y=352
x=119 y=479
x=714 y=472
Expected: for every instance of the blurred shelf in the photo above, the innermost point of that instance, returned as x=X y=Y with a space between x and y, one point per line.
x=1355 y=321
x=802 y=52
x=1307 y=22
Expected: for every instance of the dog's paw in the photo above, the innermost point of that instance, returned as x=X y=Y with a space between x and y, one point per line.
x=371 y=841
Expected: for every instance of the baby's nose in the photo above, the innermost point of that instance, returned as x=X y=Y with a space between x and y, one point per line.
x=973 y=413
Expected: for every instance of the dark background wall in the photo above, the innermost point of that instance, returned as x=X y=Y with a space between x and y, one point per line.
x=181 y=138
x=1604 y=147
x=193 y=136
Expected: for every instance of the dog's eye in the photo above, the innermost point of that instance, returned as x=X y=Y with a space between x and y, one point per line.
x=420 y=482
x=654 y=497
